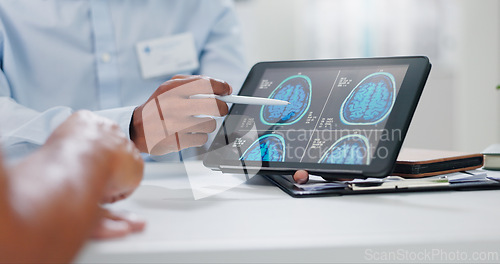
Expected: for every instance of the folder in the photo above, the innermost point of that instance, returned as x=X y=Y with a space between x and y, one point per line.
x=459 y=181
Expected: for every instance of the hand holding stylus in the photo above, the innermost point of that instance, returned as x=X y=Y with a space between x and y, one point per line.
x=170 y=121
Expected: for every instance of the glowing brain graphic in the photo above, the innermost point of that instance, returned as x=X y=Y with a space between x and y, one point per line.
x=370 y=101
x=269 y=147
x=294 y=89
x=351 y=149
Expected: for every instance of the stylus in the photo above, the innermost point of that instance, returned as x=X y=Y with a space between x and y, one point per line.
x=237 y=99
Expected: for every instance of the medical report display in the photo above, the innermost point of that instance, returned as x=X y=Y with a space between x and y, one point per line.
x=334 y=116
x=337 y=115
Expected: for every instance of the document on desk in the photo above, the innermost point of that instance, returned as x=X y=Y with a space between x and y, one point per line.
x=493 y=174
x=467 y=176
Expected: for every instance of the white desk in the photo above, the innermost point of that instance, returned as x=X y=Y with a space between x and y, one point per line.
x=257 y=222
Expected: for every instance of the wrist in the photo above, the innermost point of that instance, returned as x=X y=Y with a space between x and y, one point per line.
x=136 y=130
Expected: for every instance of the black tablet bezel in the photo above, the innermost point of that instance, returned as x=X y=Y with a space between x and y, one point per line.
x=399 y=118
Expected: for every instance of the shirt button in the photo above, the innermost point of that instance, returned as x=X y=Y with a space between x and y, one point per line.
x=105 y=57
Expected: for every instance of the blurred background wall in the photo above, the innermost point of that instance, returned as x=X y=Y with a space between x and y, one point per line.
x=459 y=107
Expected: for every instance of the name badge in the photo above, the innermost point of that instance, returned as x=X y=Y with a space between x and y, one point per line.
x=167 y=56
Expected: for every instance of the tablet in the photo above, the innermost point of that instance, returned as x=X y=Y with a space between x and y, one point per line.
x=346 y=118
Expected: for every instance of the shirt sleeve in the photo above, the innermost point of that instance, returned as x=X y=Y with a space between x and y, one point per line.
x=23 y=129
x=223 y=56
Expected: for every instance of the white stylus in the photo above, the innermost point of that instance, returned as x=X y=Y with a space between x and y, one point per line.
x=237 y=99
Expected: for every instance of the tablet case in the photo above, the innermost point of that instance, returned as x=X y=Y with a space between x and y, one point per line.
x=414 y=163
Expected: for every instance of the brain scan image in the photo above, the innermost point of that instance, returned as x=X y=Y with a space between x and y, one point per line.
x=269 y=147
x=294 y=89
x=370 y=101
x=351 y=149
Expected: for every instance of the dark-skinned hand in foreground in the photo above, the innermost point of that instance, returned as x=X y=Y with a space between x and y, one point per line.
x=50 y=201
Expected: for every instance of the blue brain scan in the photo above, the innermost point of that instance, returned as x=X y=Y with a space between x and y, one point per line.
x=370 y=101
x=351 y=149
x=294 y=89
x=269 y=147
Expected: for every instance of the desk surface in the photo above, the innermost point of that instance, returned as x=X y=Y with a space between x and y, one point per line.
x=257 y=222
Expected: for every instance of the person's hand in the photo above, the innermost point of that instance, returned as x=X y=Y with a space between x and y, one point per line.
x=102 y=142
x=168 y=121
x=117 y=224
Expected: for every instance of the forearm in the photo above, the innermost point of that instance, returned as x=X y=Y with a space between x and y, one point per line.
x=223 y=55
x=52 y=202
x=24 y=128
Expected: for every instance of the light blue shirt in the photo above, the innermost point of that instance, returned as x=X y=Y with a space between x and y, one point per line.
x=60 y=56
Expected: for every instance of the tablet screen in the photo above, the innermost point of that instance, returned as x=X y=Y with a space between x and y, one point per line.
x=335 y=115
x=339 y=115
